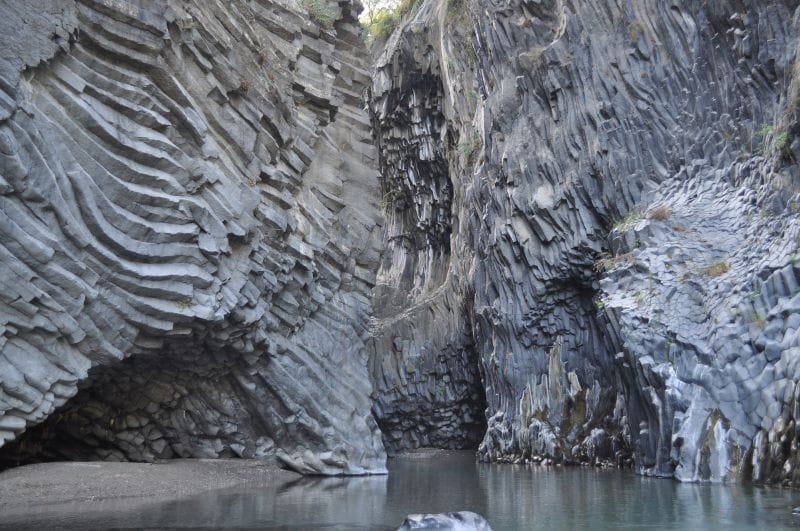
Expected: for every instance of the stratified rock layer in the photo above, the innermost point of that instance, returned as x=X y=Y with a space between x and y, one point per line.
x=187 y=237
x=669 y=339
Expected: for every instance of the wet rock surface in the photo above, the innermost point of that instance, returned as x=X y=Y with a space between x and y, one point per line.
x=185 y=257
x=459 y=521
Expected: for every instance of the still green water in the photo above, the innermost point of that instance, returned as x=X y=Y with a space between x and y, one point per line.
x=511 y=497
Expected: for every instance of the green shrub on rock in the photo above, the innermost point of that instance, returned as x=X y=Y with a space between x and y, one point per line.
x=321 y=12
x=379 y=23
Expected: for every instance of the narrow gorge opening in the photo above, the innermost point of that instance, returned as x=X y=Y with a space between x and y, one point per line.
x=442 y=403
x=555 y=232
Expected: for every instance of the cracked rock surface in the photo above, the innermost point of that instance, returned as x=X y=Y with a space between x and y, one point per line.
x=561 y=231
x=184 y=257
x=622 y=208
x=424 y=363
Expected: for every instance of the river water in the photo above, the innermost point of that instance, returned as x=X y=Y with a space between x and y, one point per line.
x=511 y=497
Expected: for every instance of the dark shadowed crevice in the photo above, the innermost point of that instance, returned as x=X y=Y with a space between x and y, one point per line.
x=424 y=366
x=183 y=402
x=448 y=413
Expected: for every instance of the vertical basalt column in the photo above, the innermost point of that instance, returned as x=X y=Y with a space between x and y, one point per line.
x=634 y=214
x=423 y=361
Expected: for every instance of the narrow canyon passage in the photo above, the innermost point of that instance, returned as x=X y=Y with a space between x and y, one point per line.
x=549 y=231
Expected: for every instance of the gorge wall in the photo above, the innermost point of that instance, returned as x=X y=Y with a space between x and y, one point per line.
x=550 y=229
x=187 y=258
x=622 y=187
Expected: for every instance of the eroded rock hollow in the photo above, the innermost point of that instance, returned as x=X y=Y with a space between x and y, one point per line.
x=552 y=230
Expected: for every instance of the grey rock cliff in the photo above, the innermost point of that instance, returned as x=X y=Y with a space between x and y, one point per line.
x=186 y=258
x=425 y=366
x=623 y=224
x=562 y=231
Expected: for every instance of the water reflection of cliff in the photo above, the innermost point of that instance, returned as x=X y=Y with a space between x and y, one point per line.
x=509 y=496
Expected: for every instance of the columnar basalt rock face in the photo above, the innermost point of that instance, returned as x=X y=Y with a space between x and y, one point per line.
x=190 y=233
x=424 y=364
x=537 y=391
x=582 y=245
x=666 y=336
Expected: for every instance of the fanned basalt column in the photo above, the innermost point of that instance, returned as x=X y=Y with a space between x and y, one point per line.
x=189 y=233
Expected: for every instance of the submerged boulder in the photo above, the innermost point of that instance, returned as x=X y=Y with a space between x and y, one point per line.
x=459 y=521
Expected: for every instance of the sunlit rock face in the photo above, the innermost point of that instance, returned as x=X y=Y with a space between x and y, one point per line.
x=189 y=233
x=621 y=186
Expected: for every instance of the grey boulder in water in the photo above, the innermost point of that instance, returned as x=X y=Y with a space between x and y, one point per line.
x=460 y=521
